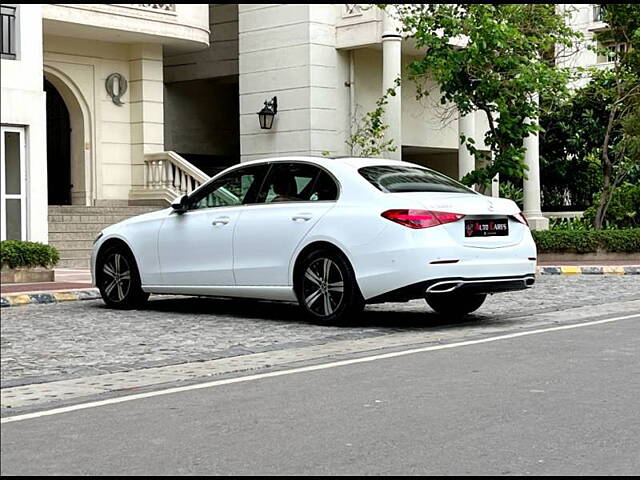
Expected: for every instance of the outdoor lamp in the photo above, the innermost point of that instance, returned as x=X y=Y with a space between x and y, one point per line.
x=267 y=113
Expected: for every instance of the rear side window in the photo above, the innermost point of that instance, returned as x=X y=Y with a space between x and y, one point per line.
x=397 y=179
x=297 y=182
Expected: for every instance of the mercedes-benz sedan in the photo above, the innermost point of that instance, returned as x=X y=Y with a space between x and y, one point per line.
x=331 y=234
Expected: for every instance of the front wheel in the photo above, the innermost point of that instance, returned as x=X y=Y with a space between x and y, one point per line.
x=118 y=279
x=456 y=304
x=326 y=287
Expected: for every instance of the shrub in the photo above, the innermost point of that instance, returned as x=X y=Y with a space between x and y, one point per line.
x=624 y=208
x=15 y=253
x=588 y=241
x=512 y=192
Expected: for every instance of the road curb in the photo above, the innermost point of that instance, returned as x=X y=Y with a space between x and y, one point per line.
x=40 y=298
x=13 y=300
x=588 y=270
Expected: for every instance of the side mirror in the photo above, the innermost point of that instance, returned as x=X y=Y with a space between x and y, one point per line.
x=180 y=204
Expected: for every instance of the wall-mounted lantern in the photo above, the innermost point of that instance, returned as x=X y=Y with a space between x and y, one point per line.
x=116 y=86
x=267 y=113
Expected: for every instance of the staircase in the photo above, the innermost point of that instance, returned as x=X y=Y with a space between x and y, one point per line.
x=73 y=228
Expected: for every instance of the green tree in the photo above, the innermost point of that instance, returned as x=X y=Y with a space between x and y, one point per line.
x=496 y=58
x=368 y=138
x=620 y=148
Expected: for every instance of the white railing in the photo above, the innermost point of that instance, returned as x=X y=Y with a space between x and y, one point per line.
x=166 y=176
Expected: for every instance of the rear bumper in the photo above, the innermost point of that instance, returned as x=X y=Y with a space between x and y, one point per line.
x=473 y=285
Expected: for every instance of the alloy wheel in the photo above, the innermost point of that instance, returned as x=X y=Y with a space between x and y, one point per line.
x=117 y=277
x=323 y=287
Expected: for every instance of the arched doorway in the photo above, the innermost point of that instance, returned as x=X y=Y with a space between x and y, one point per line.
x=70 y=165
x=58 y=147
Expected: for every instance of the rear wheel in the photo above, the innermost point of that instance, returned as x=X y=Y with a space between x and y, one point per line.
x=326 y=287
x=457 y=304
x=118 y=279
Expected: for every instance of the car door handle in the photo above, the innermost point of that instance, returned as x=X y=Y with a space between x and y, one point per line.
x=220 y=221
x=302 y=217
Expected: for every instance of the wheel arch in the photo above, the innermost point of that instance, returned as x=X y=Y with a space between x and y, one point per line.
x=319 y=245
x=113 y=242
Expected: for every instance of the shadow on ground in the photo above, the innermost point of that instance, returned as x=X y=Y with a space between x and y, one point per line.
x=414 y=316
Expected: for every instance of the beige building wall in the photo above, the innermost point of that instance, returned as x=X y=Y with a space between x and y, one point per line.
x=289 y=51
x=115 y=137
x=23 y=105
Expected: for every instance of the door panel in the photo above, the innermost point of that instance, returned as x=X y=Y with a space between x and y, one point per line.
x=196 y=247
x=295 y=197
x=266 y=237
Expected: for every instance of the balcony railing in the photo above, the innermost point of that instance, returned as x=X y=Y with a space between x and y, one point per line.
x=162 y=7
x=8 y=31
x=166 y=176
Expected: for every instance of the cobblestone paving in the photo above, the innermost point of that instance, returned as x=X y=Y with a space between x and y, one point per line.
x=79 y=339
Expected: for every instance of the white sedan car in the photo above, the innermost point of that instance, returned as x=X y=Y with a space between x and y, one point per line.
x=331 y=234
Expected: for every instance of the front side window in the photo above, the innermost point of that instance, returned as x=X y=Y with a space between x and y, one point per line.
x=397 y=179
x=298 y=182
x=8 y=26
x=239 y=187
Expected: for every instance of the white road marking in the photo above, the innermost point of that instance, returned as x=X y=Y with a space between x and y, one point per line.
x=324 y=366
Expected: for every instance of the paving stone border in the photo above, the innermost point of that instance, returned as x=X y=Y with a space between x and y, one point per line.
x=48 y=297
x=589 y=270
x=93 y=293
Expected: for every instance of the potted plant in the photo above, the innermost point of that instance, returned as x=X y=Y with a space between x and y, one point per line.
x=27 y=262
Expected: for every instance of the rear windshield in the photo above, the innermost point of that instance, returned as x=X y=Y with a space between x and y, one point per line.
x=395 y=179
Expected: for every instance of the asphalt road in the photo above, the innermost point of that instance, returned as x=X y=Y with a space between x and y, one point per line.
x=563 y=402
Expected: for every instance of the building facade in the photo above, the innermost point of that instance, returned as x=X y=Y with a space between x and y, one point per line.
x=113 y=105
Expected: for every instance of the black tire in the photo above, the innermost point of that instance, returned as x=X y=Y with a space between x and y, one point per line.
x=118 y=279
x=326 y=287
x=455 y=304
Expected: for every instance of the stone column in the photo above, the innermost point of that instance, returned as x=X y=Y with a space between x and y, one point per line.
x=391 y=70
x=466 y=127
x=531 y=185
x=146 y=98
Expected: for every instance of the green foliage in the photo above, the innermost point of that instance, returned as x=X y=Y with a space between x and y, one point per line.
x=623 y=210
x=564 y=224
x=572 y=134
x=620 y=150
x=15 y=254
x=512 y=192
x=588 y=241
x=368 y=140
x=506 y=60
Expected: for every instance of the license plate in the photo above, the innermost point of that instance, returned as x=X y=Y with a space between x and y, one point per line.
x=492 y=227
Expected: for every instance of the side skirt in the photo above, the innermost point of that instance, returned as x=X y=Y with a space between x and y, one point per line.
x=284 y=293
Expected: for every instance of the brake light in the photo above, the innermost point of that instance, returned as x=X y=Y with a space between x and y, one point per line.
x=521 y=218
x=421 y=218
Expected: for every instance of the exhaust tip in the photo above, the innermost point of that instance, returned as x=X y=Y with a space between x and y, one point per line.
x=444 y=287
x=529 y=282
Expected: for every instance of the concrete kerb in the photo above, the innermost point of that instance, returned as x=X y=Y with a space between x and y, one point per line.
x=16 y=299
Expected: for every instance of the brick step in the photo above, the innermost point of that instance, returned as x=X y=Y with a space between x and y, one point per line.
x=83 y=263
x=74 y=253
x=59 y=227
x=130 y=211
x=62 y=245
x=107 y=219
x=69 y=236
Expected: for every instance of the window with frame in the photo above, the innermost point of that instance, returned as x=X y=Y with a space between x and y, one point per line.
x=239 y=187
x=298 y=182
x=8 y=29
x=613 y=51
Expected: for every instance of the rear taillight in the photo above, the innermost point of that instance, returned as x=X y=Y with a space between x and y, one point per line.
x=421 y=218
x=521 y=218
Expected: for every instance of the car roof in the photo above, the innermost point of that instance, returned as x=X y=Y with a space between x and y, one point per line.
x=355 y=162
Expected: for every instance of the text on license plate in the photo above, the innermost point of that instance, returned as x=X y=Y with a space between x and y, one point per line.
x=492 y=227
